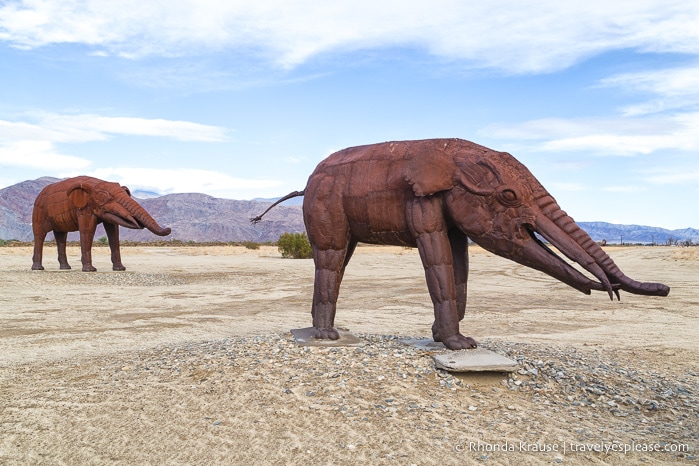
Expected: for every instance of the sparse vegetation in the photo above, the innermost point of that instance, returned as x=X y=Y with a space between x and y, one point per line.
x=251 y=245
x=294 y=246
x=102 y=240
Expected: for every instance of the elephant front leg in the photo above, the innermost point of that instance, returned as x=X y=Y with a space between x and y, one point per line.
x=112 y=231
x=61 y=241
x=329 y=270
x=87 y=226
x=427 y=223
x=459 y=253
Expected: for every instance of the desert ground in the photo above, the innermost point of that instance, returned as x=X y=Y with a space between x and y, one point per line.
x=187 y=358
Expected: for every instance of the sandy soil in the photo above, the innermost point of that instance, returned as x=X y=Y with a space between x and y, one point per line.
x=186 y=358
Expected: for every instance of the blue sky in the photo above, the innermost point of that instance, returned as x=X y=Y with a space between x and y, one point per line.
x=242 y=99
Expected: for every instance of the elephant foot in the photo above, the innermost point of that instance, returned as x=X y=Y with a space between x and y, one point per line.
x=454 y=342
x=65 y=267
x=326 y=334
x=37 y=267
x=89 y=268
x=459 y=342
x=118 y=268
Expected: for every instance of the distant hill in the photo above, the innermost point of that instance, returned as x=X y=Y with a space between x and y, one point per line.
x=140 y=194
x=201 y=218
x=192 y=217
x=292 y=201
x=615 y=234
x=16 y=203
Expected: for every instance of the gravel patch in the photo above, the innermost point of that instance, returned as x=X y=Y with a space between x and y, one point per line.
x=78 y=278
x=559 y=396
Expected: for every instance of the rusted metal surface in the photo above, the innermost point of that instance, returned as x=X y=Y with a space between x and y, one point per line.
x=435 y=194
x=80 y=204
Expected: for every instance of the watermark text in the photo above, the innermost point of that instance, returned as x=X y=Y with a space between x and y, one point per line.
x=572 y=447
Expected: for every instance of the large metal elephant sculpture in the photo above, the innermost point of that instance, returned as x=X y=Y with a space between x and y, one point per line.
x=80 y=204
x=435 y=194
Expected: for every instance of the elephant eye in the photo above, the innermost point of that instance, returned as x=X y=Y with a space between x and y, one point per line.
x=101 y=197
x=508 y=198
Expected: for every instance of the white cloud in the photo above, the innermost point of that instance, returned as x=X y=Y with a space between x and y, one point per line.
x=38 y=154
x=32 y=144
x=605 y=136
x=672 y=88
x=87 y=127
x=537 y=36
x=182 y=180
x=684 y=176
x=616 y=144
x=20 y=130
x=555 y=128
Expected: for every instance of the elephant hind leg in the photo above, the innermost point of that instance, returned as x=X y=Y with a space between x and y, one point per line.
x=37 y=258
x=61 y=240
x=330 y=268
x=329 y=234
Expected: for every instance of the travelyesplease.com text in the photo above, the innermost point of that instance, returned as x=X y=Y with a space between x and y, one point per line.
x=572 y=447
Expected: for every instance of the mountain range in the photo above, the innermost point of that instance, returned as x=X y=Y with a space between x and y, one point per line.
x=191 y=216
x=202 y=218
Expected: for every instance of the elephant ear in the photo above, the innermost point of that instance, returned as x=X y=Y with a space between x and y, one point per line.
x=431 y=172
x=78 y=196
x=478 y=176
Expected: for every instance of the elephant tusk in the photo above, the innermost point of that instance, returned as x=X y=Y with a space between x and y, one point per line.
x=128 y=222
x=578 y=255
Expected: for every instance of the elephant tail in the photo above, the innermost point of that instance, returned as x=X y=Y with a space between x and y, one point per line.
x=288 y=196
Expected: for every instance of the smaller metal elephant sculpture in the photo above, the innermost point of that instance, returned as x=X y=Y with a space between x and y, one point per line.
x=80 y=204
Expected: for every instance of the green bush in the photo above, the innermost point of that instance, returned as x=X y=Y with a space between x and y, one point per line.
x=251 y=245
x=294 y=246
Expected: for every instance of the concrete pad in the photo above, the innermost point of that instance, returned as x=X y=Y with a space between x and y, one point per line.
x=424 y=344
x=470 y=360
x=474 y=360
x=304 y=337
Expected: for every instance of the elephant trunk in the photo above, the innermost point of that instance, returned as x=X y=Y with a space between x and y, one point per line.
x=577 y=245
x=143 y=217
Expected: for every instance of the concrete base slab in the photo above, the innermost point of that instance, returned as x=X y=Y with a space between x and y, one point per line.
x=424 y=343
x=470 y=360
x=474 y=360
x=305 y=337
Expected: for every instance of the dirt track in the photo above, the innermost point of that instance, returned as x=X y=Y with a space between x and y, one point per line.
x=186 y=358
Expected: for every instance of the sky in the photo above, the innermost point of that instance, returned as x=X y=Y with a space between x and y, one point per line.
x=241 y=99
